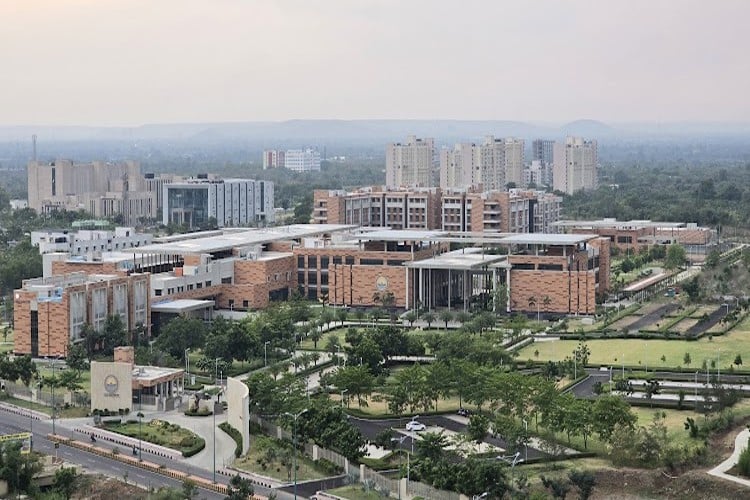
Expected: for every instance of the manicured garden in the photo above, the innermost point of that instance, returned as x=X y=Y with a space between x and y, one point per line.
x=162 y=433
x=651 y=353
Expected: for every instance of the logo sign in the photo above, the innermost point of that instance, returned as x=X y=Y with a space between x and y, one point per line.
x=111 y=384
x=381 y=283
x=22 y=437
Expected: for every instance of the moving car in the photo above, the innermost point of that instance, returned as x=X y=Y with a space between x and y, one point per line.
x=415 y=426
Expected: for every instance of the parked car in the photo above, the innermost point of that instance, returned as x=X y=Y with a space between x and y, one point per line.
x=415 y=426
x=464 y=412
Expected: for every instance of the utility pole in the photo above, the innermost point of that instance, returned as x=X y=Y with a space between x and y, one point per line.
x=294 y=438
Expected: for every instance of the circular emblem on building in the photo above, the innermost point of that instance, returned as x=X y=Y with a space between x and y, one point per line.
x=111 y=384
x=381 y=283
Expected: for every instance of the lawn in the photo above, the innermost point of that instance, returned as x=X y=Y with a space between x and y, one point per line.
x=378 y=406
x=72 y=412
x=6 y=345
x=45 y=371
x=649 y=352
x=308 y=345
x=356 y=492
x=162 y=433
x=267 y=451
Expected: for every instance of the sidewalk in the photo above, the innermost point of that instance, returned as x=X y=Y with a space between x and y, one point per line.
x=720 y=471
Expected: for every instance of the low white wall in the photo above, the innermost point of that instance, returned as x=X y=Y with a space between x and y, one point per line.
x=238 y=409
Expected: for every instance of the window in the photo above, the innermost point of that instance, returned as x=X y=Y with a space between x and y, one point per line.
x=625 y=239
x=336 y=260
x=350 y=261
x=392 y=262
x=324 y=263
x=371 y=262
x=301 y=278
x=550 y=267
x=190 y=286
x=226 y=281
x=157 y=292
x=523 y=267
x=312 y=278
x=199 y=285
x=324 y=278
x=301 y=262
x=231 y=303
x=312 y=261
x=245 y=304
x=208 y=283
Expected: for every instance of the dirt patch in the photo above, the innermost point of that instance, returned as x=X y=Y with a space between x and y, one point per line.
x=98 y=487
x=623 y=322
x=684 y=325
x=639 y=484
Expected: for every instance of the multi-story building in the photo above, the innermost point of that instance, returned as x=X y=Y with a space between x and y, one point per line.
x=411 y=164
x=101 y=188
x=542 y=151
x=417 y=208
x=575 y=165
x=634 y=235
x=513 y=211
x=537 y=174
x=302 y=160
x=273 y=158
x=460 y=166
x=340 y=264
x=50 y=313
x=201 y=202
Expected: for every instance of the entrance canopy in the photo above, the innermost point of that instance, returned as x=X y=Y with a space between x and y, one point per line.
x=466 y=259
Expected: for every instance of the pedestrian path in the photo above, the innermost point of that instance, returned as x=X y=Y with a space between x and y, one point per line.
x=720 y=471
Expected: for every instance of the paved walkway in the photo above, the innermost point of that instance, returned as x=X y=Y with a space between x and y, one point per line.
x=720 y=471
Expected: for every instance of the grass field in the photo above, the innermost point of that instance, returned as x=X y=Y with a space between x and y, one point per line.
x=355 y=492
x=73 y=412
x=159 y=432
x=276 y=468
x=649 y=352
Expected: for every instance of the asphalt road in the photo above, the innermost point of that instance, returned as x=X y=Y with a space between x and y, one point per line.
x=371 y=428
x=11 y=424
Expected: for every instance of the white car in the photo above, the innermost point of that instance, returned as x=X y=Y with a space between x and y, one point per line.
x=415 y=426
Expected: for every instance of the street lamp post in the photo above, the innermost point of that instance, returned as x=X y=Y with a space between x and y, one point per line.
x=265 y=352
x=53 y=397
x=294 y=438
x=187 y=366
x=140 y=437
x=343 y=391
x=214 y=429
x=526 y=441
x=216 y=369
x=400 y=440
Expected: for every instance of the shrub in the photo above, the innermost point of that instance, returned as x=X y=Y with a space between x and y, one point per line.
x=234 y=434
x=329 y=467
x=744 y=463
x=198 y=445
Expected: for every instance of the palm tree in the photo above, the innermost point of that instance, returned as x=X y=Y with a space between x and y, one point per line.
x=429 y=318
x=446 y=316
x=411 y=317
x=359 y=314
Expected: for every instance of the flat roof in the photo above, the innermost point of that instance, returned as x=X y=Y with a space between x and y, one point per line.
x=399 y=235
x=460 y=260
x=473 y=237
x=614 y=223
x=181 y=305
x=547 y=239
x=227 y=241
x=152 y=373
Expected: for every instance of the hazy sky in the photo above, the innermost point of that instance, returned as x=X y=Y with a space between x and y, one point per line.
x=128 y=62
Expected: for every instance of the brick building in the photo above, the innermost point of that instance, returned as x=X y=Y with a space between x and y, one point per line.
x=341 y=264
x=512 y=211
x=49 y=313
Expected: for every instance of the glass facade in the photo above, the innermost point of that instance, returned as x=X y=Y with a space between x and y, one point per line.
x=188 y=206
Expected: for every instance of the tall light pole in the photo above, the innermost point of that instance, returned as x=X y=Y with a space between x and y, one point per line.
x=400 y=440
x=526 y=441
x=140 y=436
x=216 y=369
x=53 y=397
x=265 y=352
x=696 y=389
x=294 y=438
x=213 y=411
x=187 y=366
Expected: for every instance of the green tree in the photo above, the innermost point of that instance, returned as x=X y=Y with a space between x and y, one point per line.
x=356 y=380
x=686 y=359
x=66 y=482
x=675 y=256
x=738 y=360
x=446 y=317
x=478 y=427
x=411 y=317
x=179 y=334
x=239 y=488
x=559 y=487
x=18 y=469
x=77 y=359
x=429 y=318
x=189 y=489
x=341 y=315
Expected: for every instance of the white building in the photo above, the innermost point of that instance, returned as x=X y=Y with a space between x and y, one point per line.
x=493 y=164
x=411 y=164
x=86 y=241
x=459 y=167
x=199 y=203
x=537 y=174
x=302 y=160
x=575 y=165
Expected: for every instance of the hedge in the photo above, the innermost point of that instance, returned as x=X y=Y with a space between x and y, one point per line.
x=234 y=434
x=200 y=443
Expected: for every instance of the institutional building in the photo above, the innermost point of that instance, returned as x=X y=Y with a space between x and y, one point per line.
x=633 y=235
x=342 y=264
x=512 y=211
x=542 y=151
x=575 y=165
x=411 y=164
x=103 y=189
x=49 y=313
x=200 y=202
x=302 y=160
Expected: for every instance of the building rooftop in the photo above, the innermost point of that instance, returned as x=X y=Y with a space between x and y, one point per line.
x=181 y=306
x=230 y=240
x=459 y=260
x=476 y=238
x=614 y=223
